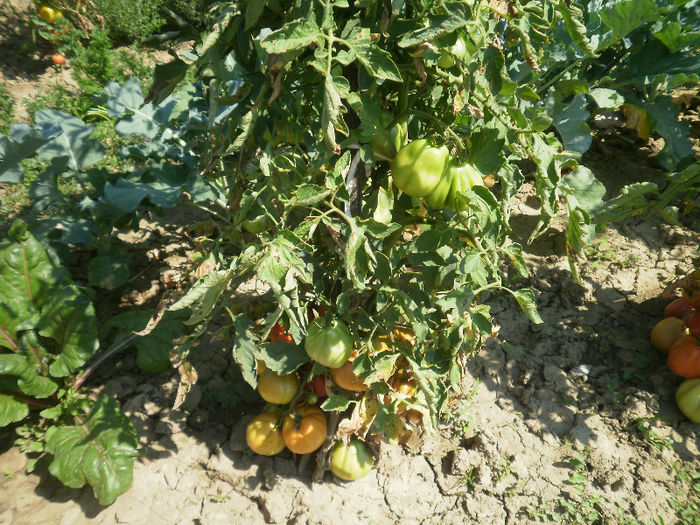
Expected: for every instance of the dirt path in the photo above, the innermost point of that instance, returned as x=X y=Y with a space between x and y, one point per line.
x=566 y=413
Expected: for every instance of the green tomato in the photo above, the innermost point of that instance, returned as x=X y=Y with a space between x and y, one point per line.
x=255 y=225
x=446 y=59
x=464 y=177
x=456 y=52
x=688 y=399
x=351 y=461
x=328 y=342
x=419 y=166
x=438 y=197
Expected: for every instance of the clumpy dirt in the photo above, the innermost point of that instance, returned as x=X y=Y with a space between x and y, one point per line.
x=563 y=413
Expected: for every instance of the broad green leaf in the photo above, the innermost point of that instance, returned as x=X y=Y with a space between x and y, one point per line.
x=68 y=317
x=675 y=38
x=606 y=98
x=309 y=195
x=25 y=141
x=12 y=410
x=632 y=200
x=253 y=11
x=74 y=143
x=331 y=115
x=336 y=403
x=123 y=99
x=570 y=121
x=282 y=357
x=44 y=192
x=128 y=195
x=202 y=297
x=294 y=35
x=526 y=300
x=12 y=364
x=153 y=349
x=33 y=381
x=666 y=121
x=99 y=450
x=109 y=271
x=622 y=16
x=33 y=384
x=245 y=349
x=576 y=28
x=437 y=26
x=487 y=150
x=587 y=190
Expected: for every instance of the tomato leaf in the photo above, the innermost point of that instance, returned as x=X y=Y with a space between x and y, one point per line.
x=245 y=349
x=100 y=450
x=281 y=357
x=297 y=34
x=526 y=300
x=336 y=403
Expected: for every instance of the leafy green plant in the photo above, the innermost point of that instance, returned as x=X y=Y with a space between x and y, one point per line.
x=48 y=331
x=131 y=20
x=7 y=109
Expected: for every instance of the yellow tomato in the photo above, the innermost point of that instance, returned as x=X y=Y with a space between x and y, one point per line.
x=263 y=436
x=278 y=389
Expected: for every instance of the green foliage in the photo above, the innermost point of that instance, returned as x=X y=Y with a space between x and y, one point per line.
x=7 y=109
x=130 y=21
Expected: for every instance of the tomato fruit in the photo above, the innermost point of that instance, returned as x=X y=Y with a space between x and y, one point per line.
x=419 y=166
x=685 y=360
x=318 y=385
x=48 y=14
x=58 y=59
x=352 y=461
x=694 y=324
x=255 y=225
x=688 y=399
x=463 y=178
x=278 y=333
x=404 y=335
x=306 y=435
x=456 y=52
x=682 y=340
x=328 y=342
x=437 y=198
x=678 y=308
x=666 y=332
x=346 y=379
x=263 y=436
x=277 y=389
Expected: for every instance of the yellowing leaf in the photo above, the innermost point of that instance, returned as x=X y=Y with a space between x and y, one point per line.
x=638 y=120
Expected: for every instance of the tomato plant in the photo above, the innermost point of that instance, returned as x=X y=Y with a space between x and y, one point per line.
x=305 y=430
x=278 y=333
x=688 y=399
x=263 y=436
x=684 y=360
x=49 y=14
x=351 y=461
x=666 y=332
x=278 y=389
x=328 y=342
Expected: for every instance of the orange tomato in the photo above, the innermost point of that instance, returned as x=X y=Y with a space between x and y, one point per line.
x=263 y=436
x=278 y=389
x=278 y=333
x=58 y=59
x=685 y=360
x=306 y=435
x=666 y=332
x=346 y=379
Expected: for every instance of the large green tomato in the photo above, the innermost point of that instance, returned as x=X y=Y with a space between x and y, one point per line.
x=464 y=177
x=688 y=399
x=419 y=166
x=328 y=342
x=351 y=461
x=456 y=52
x=438 y=197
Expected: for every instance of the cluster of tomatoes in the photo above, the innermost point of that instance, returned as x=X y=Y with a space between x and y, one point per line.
x=677 y=335
x=421 y=169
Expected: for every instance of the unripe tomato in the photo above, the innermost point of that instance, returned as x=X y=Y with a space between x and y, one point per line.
x=328 y=342
x=58 y=59
x=419 y=166
x=457 y=51
x=386 y=142
x=437 y=197
x=277 y=389
x=665 y=333
x=255 y=225
x=404 y=386
x=48 y=14
x=346 y=379
x=685 y=360
x=351 y=461
x=678 y=308
x=308 y=434
x=464 y=177
x=263 y=436
x=694 y=324
x=688 y=399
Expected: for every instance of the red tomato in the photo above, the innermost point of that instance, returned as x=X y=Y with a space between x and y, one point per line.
x=58 y=59
x=694 y=324
x=685 y=360
x=278 y=333
x=318 y=384
x=678 y=308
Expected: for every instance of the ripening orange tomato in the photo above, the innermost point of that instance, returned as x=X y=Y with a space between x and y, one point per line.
x=278 y=389
x=306 y=432
x=263 y=436
x=666 y=332
x=346 y=379
x=684 y=360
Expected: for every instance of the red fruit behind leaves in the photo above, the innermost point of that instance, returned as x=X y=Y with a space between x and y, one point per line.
x=678 y=308
x=694 y=324
x=318 y=384
x=279 y=334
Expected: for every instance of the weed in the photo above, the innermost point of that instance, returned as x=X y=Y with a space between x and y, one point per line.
x=469 y=479
x=7 y=109
x=687 y=506
x=660 y=442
